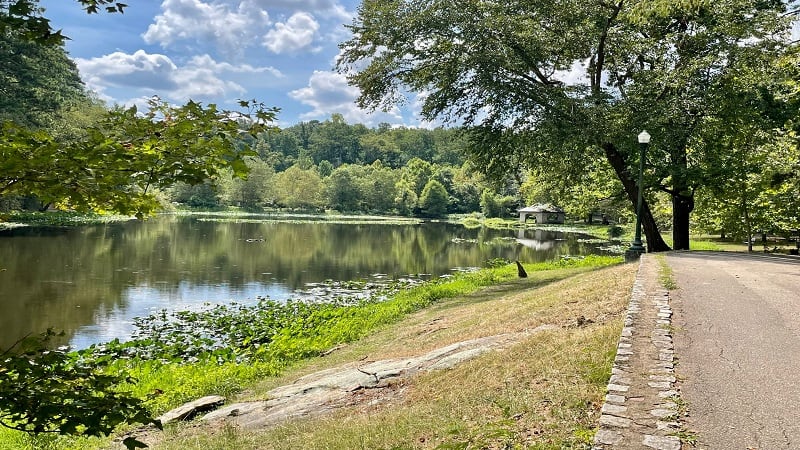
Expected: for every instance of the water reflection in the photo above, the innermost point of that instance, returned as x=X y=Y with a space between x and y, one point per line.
x=92 y=281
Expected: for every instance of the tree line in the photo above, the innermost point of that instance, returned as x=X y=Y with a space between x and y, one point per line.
x=330 y=164
x=716 y=87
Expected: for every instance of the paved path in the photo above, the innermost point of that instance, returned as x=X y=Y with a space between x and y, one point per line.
x=737 y=342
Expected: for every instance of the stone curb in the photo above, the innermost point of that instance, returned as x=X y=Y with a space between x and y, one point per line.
x=641 y=409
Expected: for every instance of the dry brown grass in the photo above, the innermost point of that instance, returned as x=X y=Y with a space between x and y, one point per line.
x=543 y=392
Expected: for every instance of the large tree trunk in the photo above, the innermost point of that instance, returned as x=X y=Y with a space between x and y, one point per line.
x=682 y=199
x=655 y=243
x=682 y=205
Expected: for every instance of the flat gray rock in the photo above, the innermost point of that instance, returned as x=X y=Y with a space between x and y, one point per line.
x=328 y=389
x=191 y=409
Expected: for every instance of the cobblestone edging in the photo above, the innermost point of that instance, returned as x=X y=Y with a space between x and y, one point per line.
x=642 y=405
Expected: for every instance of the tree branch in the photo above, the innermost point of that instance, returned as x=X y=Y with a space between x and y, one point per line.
x=598 y=61
x=541 y=78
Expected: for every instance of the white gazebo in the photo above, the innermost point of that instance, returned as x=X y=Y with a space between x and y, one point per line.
x=542 y=213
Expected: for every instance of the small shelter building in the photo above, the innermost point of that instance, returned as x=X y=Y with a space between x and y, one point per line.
x=542 y=213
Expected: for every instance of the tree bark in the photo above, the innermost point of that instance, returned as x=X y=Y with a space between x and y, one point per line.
x=682 y=199
x=655 y=243
x=682 y=205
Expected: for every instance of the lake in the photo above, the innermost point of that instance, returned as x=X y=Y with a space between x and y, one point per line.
x=91 y=281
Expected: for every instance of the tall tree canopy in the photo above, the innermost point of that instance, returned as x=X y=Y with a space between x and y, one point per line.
x=123 y=156
x=25 y=17
x=37 y=82
x=554 y=84
x=126 y=157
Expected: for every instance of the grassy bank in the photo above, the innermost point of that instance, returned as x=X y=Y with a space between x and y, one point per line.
x=286 y=344
x=56 y=218
x=542 y=393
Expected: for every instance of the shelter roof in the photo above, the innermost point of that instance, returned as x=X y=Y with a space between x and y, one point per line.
x=541 y=207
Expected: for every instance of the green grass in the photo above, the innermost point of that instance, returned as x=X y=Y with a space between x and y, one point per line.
x=541 y=393
x=665 y=275
x=170 y=384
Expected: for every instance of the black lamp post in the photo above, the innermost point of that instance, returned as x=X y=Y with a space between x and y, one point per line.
x=636 y=249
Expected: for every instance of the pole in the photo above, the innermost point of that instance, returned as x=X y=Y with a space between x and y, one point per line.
x=637 y=240
x=636 y=249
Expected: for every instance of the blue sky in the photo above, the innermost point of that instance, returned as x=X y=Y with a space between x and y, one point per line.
x=280 y=52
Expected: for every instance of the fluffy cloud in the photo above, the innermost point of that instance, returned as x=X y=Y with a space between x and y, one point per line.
x=296 y=33
x=219 y=67
x=332 y=9
x=144 y=74
x=329 y=93
x=297 y=5
x=230 y=26
x=138 y=70
x=575 y=75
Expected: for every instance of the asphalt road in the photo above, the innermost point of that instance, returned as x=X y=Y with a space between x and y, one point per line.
x=737 y=340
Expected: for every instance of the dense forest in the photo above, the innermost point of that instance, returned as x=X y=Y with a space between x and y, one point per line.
x=722 y=111
x=332 y=165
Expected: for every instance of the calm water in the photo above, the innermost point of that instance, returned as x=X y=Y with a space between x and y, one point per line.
x=91 y=281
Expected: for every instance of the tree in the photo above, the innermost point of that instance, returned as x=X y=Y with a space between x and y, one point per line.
x=595 y=189
x=379 y=187
x=434 y=200
x=336 y=141
x=45 y=390
x=298 y=188
x=252 y=192
x=342 y=190
x=38 y=84
x=416 y=174
x=380 y=146
x=280 y=149
x=325 y=169
x=406 y=199
x=507 y=70
x=24 y=16
x=450 y=146
x=494 y=205
x=468 y=185
x=413 y=144
x=126 y=158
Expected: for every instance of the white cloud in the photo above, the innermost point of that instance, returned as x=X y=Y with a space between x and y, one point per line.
x=299 y=5
x=143 y=75
x=229 y=26
x=576 y=75
x=296 y=33
x=219 y=67
x=236 y=24
x=329 y=93
x=120 y=69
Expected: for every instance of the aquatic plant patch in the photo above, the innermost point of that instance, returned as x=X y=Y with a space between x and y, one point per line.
x=295 y=328
x=58 y=218
x=180 y=357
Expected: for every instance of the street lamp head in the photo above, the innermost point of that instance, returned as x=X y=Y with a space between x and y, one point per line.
x=644 y=137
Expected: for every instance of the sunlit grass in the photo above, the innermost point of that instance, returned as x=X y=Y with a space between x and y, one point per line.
x=665 y=274
x=476 y=311
x=544 y=392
